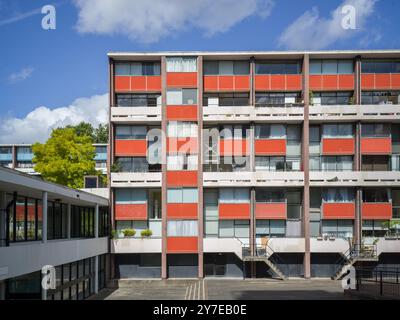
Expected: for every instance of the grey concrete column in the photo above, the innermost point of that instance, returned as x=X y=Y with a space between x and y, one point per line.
x=305 y=153
x=2 y=290
x=200 y=216
x=44 y=213
x=3 y=216
x=96 y=221
x=96 y=274
x=69 y=220
x=252 y=232
x=164 y=167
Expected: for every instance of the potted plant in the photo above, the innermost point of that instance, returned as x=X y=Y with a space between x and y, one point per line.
x=113 y=234
x=116 y=167
x=147 y=233
x=129 y=233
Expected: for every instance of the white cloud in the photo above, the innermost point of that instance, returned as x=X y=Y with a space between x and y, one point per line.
x=313 y=32
x=148 y=21
x=37 y=125
x=21 y=75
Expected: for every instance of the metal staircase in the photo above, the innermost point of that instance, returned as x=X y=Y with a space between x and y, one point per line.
x=265 y=254
x=353 y=255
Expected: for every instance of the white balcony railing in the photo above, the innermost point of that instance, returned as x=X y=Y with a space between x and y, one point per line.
x=136 y=179
x=140 y=114
x=247 y=179
x=354 y=112
x=354 y=178
x=136 y=245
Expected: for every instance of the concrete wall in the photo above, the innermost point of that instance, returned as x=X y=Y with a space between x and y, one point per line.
x=23 y=258
x=182 y=265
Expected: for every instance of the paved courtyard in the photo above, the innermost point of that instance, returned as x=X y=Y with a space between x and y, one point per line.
x=232 y=289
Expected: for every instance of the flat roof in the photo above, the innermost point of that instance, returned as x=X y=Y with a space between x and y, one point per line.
x=31 y=186
x=386 y=53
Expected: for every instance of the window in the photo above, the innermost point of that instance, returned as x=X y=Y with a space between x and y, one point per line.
x=375 y=130
x=226 y=67
x=130 y=196
x=331 y=67
x=333 y=163
x=234 y=131
x=332 y=98
x=131 y=132
x=229 y=164
x=181 y=64
x=138 y=69
x=182 y=162
x=264 y=163
x=182 y=228
x=375 y=163
x=181 y=129
x=374 y=228
x=380 y=66
x=380 y=97
x=182 y=195
x=338 y=195
x=294 y=205
x=376 y=195
x=338 y=228
x=277 y=99
x=337 y=131
x=57 y=216
x=270 y=196
x=138 y=100
x=270 y=228
x=278 y=67
x=234 y=195
x=270 y=131
x=234 y=228
x=226 y=99
x=135 y=164
x=181 y=96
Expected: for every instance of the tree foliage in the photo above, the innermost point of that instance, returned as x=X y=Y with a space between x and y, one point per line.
x=98 y=135
x=66 y=157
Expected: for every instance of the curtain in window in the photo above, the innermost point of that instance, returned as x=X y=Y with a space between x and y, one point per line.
x=182 y=228
x=181 y=64
x=174 y=97
x=183 y=195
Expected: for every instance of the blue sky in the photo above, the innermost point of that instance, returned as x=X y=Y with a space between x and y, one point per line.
x=67 y=67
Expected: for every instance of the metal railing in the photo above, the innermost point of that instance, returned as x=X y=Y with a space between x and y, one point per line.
x=378 y=282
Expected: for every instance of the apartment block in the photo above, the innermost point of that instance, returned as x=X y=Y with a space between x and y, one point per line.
x=254 y=164
x=43 y=224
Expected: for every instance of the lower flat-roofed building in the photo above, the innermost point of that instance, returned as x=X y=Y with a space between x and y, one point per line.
x=45 y=224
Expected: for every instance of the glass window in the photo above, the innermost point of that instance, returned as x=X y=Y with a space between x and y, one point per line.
x=181 y=64
x=234 y=195
x=183 y=195
x=278 y=67
x=380 y=66
x=182 y=228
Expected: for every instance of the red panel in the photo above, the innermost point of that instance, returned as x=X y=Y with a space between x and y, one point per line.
x=242 y=83
x=182 y=244
x=226 y=83
x=376 y=211
x=210 y=83
x=138 y=83
x=382 y=81
x=278 y=82
x=315 y=82
x=262 y=82
x=229 y=211
x=329 y=82
x=130 y=147
x=122 y=83
x=339 y=211
x=294 y=82
x=182 y=79
x=182 y=178
x=154 y=83
x=368 y=81
x=188 y=113
x=131 y=211
x=182 y=145
x=346 y=81
x=182 y=210
x=234 y=147
x=338 y=146
x=395 y=81
x=20 y=212
x=376 y=145
x=271 y=211
x=270 y=147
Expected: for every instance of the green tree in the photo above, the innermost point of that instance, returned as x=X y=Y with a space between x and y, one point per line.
x=83 y=129
x=65 y=158
x=101 y=134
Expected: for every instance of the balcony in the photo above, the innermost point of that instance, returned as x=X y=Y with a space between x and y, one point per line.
x=136 y=114
x=354 y=178
x=136 y=245
x=219 y=245
x=249 y=179
x=329 y=245
x=136 y=179
x=354 y=112
x=276 y=113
